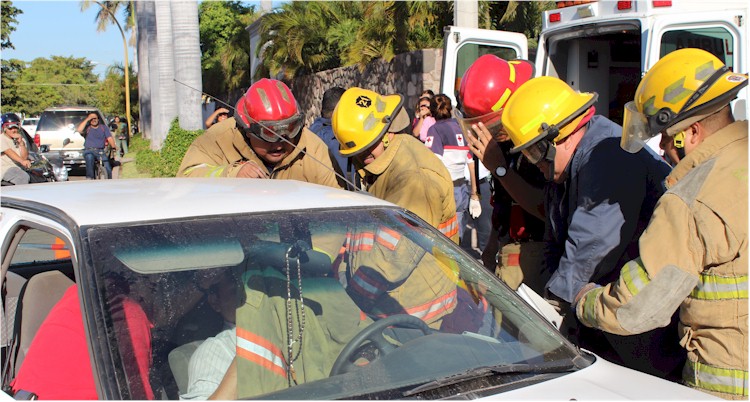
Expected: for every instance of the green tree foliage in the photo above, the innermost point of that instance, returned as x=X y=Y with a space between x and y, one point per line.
x=49 y=82
x=8 y=22
x=110 y=93
x=306 y=37
x=224 y=42
x=296 y=36
x=515 y=16
x=10 y=72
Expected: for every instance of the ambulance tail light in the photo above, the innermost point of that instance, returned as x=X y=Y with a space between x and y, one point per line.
x=663 y=3
x=624 y=5
x=555 y=17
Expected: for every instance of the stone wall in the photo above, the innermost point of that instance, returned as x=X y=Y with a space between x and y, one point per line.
x=407 y=74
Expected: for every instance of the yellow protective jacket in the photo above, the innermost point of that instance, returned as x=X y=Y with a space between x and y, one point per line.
x=320 y=329
x=409 y=175
x=693 y=256
x=222 y=149
x=386 y=274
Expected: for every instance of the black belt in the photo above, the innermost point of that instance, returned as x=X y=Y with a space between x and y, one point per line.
x=459 y=182
x=94 y=149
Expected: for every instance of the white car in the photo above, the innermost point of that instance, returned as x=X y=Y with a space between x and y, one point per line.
x=29 y=124
x=322 y=290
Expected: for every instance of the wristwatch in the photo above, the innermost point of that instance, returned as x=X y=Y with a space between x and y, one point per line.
x=500 y=171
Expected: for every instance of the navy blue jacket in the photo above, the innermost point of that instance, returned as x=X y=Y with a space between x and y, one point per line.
x=595 y=217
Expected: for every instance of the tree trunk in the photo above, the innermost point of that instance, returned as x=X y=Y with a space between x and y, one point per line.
x=145 y=31
x=187 y=71
x=166 y=108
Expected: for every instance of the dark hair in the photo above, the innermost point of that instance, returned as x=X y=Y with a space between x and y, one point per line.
x=429 y=93
x=330 y=99
x=441 y=107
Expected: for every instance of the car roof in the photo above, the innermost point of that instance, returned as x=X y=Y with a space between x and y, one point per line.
x=72 y=109
x=135 y=200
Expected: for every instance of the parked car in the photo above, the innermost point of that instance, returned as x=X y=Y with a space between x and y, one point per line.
x=59 y=123
x=316 y=278
x=29 y=124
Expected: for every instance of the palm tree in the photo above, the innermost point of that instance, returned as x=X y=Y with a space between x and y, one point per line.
x=187 y=71
x=105 y=16
x=166 y=109
x=145 y=40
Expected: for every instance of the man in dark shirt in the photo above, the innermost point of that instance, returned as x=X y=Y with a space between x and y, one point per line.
x=97 y=137
x=322 y=127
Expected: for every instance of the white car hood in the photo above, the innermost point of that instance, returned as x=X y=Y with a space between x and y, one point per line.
x=604 y=381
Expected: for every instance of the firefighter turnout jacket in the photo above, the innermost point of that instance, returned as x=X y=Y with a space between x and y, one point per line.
x=386 y=274
x=693 y=256
x=222 y=150
x=409 y=175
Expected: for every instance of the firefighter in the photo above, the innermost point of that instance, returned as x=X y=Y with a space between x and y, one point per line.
x=264 y=139
x=400 y=169
x=395 y=168
x=515 y=244
x=598 y=198
x=693 y=254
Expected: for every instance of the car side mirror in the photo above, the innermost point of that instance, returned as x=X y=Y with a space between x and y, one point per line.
x=66 y=142
x=44 y=148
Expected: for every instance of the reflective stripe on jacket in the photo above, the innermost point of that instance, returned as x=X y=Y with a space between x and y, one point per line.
x=409 y=175
x=693 y=256
x=388 y=274
x=262 y=336
x=222 y=150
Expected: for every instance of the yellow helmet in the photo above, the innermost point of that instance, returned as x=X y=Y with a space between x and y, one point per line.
x=544 y=108
x=362 y=117
x=683 y=87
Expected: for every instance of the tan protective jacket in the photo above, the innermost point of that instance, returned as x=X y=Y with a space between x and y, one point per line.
x=386 y=274
x=221 y=151
x=693 y=255
x=409 y=175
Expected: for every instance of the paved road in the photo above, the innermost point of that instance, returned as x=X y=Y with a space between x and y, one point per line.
x=80 y=174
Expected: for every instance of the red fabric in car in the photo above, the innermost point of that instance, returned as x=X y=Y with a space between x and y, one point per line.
x=57 y=365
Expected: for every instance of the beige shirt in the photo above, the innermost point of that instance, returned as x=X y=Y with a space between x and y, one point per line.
x=6 y=162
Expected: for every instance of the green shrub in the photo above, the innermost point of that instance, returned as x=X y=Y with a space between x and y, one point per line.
x=166 y=162
x=175 y=147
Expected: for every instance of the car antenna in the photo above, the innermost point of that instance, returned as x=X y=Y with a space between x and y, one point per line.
x=281 y=137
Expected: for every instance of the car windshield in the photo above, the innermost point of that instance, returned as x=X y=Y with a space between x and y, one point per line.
x=323 y=304
x=52 y=120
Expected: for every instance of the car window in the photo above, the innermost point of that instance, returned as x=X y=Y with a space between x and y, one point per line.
x=58 y=119
x=288 y=292
x=40 y=270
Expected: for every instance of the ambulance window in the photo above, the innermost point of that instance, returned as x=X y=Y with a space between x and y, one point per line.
x=472 y=51
x=716 y=40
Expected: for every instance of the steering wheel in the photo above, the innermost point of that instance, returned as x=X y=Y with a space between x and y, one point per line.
x=374 y=334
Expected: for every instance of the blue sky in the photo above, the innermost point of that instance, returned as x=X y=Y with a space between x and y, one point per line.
x=59 y=28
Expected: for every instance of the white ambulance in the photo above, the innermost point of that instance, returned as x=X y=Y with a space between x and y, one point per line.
x=607 y=46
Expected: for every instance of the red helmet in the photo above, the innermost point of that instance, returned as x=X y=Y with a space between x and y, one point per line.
x=486 y=87
x=268 y=110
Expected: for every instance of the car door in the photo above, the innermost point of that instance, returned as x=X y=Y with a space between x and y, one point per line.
x=462 y=46
x=32 y=247
x=722 y=33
